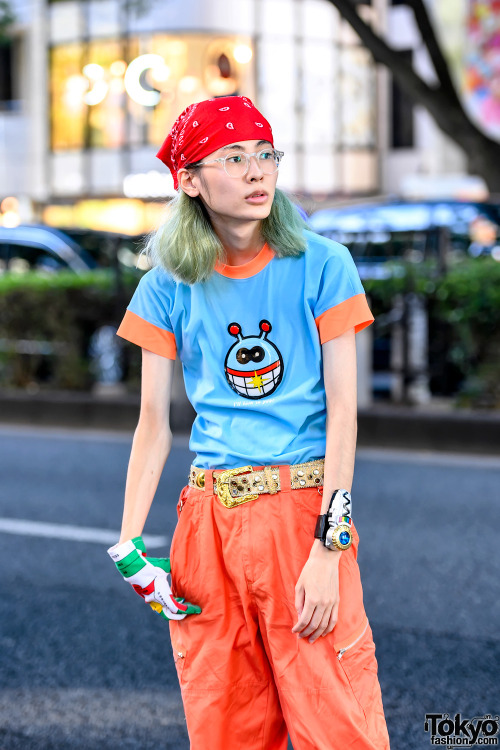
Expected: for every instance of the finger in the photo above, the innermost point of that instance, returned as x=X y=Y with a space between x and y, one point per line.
x=299 y=599
x=160 y=562
x=165 y=599
x=332 y=620
x=305 y=617
x=187 y=609
x=314 y=622
x=163 y=594
x=320 y=630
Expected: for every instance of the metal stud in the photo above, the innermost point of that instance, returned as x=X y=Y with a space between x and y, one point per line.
x=257 y=478
x=261 y=487
x=274 y=476
x=302 y=481
x=316 y=471
x=300 y=473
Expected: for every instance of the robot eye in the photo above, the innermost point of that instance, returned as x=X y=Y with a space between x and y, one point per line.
x=243 y=356
x=257 y=354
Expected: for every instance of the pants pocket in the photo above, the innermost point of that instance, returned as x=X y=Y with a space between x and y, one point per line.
x=178 y=649
x=357 y=660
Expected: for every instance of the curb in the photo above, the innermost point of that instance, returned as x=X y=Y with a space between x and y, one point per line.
x=464 y=430
x=382 y=426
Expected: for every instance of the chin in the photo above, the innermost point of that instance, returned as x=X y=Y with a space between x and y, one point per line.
x=257 y=213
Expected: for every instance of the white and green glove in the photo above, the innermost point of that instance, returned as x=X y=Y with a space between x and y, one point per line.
x=148 y=577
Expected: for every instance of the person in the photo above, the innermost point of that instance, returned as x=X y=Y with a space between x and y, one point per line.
x=266 y=615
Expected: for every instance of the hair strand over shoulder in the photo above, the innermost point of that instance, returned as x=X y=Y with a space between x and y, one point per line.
x=187 y=246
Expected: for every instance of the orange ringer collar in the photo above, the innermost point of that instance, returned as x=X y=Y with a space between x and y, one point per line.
x=247 y=269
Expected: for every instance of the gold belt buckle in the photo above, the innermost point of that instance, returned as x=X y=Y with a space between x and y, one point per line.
x=223 y=491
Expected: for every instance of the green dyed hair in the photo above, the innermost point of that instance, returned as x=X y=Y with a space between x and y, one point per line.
x=187 y=246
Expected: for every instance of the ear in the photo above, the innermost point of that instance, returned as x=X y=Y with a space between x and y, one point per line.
x=187 y=180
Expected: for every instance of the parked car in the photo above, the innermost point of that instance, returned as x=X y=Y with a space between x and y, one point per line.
x=39 y=247
x=109 y=249
x=403 y=230
x=397 y=230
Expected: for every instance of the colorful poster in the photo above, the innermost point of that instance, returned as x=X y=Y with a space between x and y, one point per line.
x=481 y=84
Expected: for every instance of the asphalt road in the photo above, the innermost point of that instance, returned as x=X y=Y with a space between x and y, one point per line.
x=84 y=665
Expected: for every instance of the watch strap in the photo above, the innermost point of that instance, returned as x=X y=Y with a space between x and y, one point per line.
x=322 y=527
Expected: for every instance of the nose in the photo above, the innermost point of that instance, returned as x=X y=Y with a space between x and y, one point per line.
x=254 y=169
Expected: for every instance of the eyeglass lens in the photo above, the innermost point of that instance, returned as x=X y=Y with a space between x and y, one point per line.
x=236 y=165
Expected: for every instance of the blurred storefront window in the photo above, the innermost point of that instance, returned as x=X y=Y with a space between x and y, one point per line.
x=68 y=88
x=358 y=95
x=112 y=93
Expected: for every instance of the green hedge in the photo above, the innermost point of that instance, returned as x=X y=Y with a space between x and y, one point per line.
x=464 y=319
x=62 y=310
x=65 y=309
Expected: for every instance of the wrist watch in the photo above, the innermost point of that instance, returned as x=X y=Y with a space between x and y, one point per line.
x=334 y=527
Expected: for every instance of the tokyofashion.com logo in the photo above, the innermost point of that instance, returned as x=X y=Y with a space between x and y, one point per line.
x=455 y=731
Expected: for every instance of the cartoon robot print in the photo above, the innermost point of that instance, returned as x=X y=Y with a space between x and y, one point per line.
x=254 y=365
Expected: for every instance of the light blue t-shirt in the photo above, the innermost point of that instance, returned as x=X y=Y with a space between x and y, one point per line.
x=249 y=340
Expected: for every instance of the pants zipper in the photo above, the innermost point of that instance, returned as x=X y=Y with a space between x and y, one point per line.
x=343 y=650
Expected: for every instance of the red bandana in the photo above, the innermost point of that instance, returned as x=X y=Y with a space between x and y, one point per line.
x=206 y=126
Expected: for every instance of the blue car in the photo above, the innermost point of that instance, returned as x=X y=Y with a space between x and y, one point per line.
x=403 y=230
x=42 y=248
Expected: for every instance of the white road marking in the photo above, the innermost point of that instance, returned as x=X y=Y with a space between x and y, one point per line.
x=71 y=533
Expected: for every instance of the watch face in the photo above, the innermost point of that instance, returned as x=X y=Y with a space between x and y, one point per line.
x=341 y=537
x=344 y=538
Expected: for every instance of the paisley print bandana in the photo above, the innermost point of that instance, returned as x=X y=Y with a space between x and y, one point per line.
x=207 y=126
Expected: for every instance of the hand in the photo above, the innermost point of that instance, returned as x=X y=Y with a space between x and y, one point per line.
x=317 y=593
x=148 y=578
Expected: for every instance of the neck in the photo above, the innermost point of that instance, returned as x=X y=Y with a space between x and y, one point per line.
x=242 y=241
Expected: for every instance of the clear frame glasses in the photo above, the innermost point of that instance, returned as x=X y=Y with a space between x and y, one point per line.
x=237 y=164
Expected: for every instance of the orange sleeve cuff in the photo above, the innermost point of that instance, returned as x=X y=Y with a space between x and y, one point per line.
x=352 y=313
x=137 y=330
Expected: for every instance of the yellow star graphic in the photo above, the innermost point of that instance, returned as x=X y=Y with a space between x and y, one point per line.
x=258 y=381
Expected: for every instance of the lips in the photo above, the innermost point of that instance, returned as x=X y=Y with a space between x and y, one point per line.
x=257 y=194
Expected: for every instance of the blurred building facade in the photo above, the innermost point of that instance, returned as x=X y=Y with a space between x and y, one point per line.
x=93 y=87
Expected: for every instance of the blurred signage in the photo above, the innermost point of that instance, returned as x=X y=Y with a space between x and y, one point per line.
x=122 y=215
x=151 y=184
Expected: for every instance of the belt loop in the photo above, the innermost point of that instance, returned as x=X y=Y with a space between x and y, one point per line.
x=209 y=481
x=285 y=478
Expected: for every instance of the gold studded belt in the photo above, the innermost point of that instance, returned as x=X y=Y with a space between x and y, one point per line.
x=236 y=486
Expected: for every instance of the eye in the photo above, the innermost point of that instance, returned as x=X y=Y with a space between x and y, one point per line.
x=266 y=155
x=257 y=354
x=243 y=356
x=236 y=159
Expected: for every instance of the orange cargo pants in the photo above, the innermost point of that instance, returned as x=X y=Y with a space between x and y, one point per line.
x=246 y=679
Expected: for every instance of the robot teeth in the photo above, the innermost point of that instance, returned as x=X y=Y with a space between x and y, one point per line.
x=252 y=385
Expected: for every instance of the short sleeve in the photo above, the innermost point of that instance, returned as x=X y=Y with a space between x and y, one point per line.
x=146 y=321
x=341 y=302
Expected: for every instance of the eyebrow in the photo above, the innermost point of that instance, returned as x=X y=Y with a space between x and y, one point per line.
x=238 y=145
